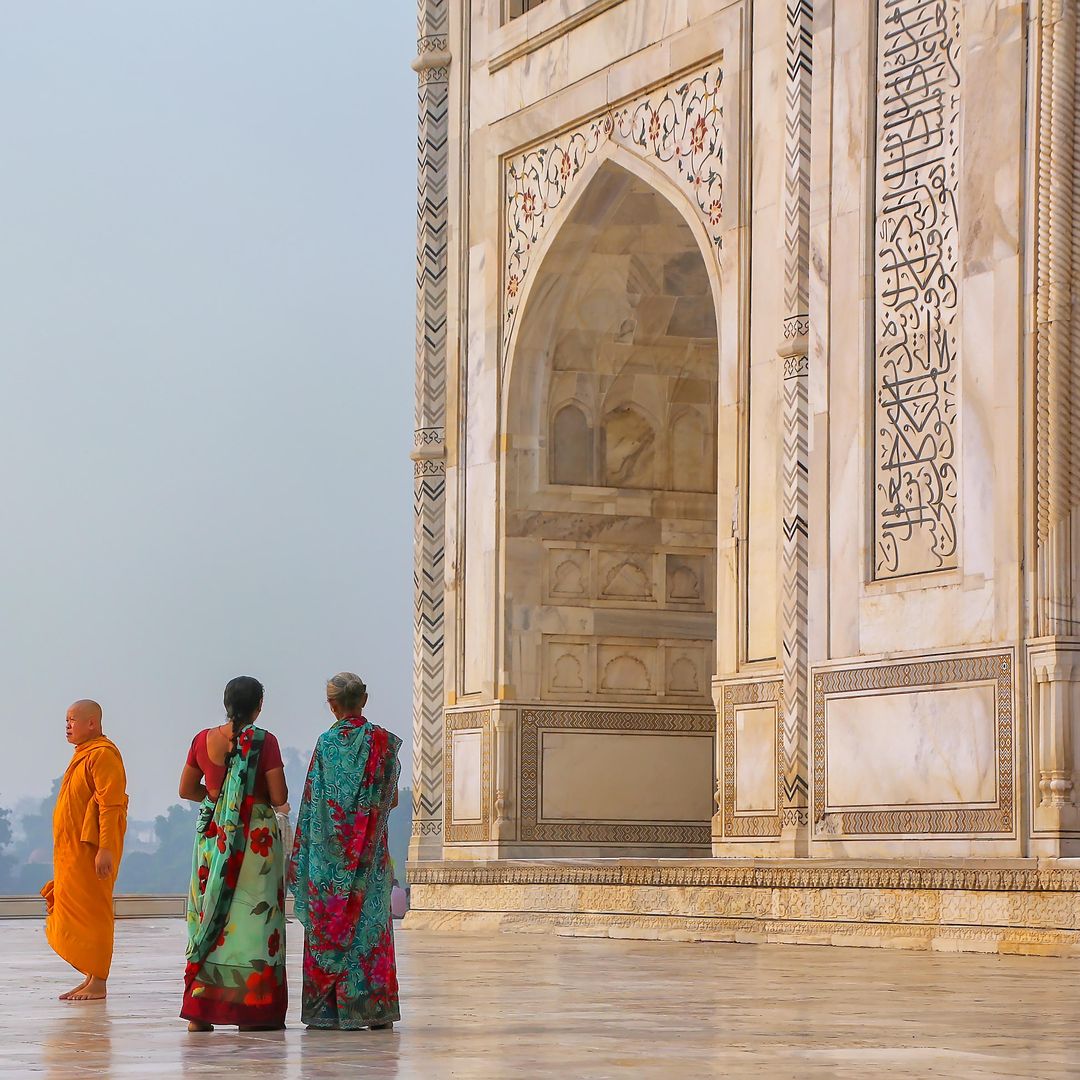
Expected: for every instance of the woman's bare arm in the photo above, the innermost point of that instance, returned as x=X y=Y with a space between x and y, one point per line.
x=191 y=785
x=276 y=787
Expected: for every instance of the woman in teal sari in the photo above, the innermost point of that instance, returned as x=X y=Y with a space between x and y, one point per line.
x=236 y=905
x=341 y=873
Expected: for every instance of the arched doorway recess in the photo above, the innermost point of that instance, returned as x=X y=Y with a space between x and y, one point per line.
x=609 y=529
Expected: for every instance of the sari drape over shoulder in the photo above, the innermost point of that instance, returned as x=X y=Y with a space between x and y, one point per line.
x=90 y=813
x=236 y=904
x=341 y=876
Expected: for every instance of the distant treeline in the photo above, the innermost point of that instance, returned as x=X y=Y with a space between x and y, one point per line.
x=157 y=857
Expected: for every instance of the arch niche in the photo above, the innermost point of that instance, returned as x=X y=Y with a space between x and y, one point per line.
x=609 y=520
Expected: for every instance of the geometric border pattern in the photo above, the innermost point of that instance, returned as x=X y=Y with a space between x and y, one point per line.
x=906 y=674
x=474 y=832
x=766 y=693
x=535 y=720
x=754 y=875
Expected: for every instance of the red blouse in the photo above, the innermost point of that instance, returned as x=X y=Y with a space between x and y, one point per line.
x=214 y=774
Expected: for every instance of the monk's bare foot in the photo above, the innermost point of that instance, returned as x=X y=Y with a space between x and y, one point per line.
x=198 y=1025
x=76 y=989
x=92 y=990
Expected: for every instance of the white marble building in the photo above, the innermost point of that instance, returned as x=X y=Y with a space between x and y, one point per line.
x=747 y=460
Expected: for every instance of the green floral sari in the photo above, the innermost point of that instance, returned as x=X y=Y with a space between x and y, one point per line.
x=236 y=904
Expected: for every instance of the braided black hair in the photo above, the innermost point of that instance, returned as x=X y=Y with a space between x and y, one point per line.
x=243 y=698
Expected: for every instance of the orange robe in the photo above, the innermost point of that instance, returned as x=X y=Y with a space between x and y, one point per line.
x=91 y=813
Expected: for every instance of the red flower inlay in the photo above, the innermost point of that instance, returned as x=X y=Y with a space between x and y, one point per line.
x=654 y=127
x=697 y=133
x=528 y=205
x=261 y=842
x=513 y=284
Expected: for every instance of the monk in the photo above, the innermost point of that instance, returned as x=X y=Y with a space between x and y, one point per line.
x=88 y=840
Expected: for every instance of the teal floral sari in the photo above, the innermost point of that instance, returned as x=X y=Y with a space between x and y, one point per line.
x=341 y=876
x=236 y=904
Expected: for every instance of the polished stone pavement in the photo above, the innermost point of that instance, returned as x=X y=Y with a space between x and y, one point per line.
x=519 y=1006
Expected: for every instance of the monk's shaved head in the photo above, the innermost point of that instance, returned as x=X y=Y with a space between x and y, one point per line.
x=83 y=721
x=85 y=709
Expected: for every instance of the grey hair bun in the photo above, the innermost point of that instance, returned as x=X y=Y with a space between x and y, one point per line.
x=346 y=689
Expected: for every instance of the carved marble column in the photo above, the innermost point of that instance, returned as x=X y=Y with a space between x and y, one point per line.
x=432 y=65
x=795 y=458
x=1053 y=658
x=505 y=813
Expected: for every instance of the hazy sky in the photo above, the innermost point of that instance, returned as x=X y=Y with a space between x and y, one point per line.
x=207 y=221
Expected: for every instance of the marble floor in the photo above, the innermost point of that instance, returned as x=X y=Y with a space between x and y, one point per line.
x=496 y=1006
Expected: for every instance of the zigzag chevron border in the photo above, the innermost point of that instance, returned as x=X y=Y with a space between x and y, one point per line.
x=795 y=453
x=429 y=485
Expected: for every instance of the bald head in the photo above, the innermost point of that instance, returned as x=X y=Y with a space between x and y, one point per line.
x=83 y=721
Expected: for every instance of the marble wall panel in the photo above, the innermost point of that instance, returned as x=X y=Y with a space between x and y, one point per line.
x=687 y=580
x=626 y=669
x=755 y=759
x=627 y=577
x=591 y=776
x=588 y=776
x=925 y=746
x=909 y=748
x=568 y=668
x=688 y=669
x=568 y=575
x=467 y=748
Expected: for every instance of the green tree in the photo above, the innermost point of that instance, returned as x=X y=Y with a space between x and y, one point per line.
x=167 y=870
x=6 y=861
x=31 y=856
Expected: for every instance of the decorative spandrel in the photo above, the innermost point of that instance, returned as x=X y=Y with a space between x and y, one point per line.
x=916 y=362
x=678 y=127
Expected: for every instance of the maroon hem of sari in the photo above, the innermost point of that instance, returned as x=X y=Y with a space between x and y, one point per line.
x=211 y=1011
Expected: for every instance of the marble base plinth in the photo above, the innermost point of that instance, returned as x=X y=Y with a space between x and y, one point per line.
x=1014 y=906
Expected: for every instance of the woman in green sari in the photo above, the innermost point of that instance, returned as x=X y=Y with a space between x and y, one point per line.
x=236 y=905
x=341 y=873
